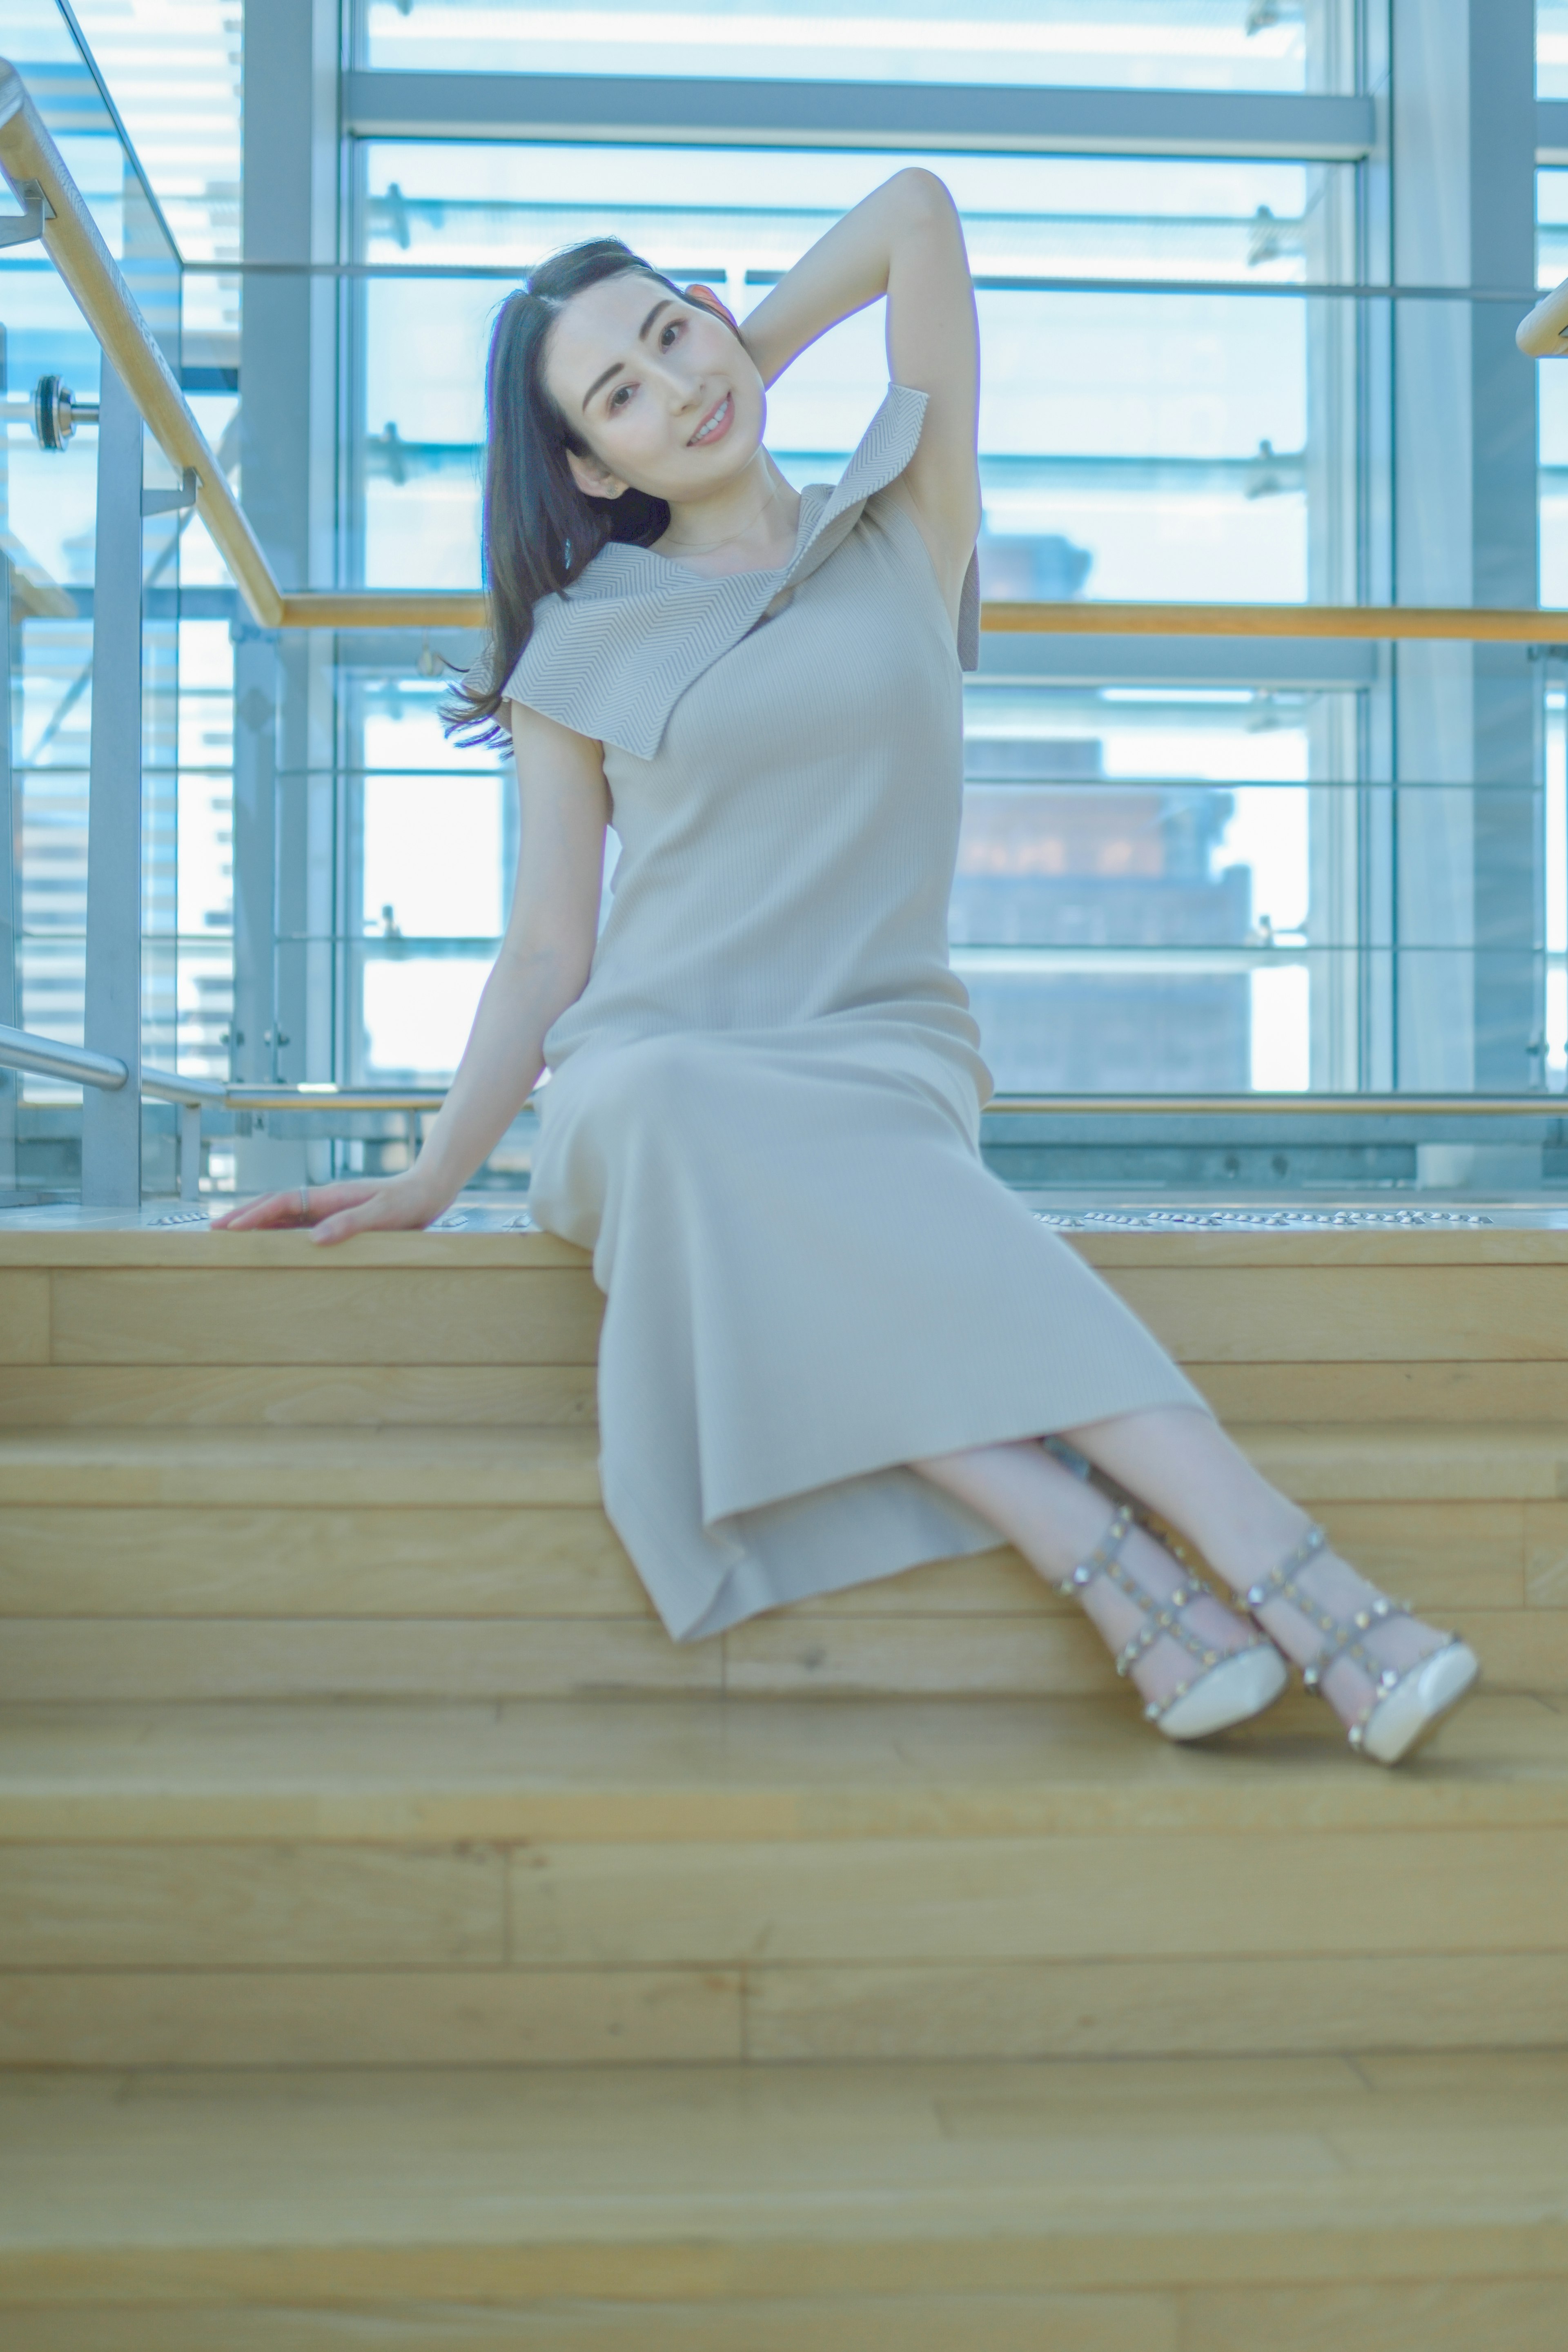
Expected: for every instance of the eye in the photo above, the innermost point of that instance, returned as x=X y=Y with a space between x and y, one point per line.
x=620 y=396
x=668 y=334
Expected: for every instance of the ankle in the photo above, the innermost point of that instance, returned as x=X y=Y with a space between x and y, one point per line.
x=1248 y=1549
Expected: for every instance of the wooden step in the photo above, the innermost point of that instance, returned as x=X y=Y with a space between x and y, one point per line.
x=103 y=1325
x=129 y=1468
x=247 y=1562
x=679 y=1880
x=1130 y=2207
x=491 y=1395
x=445 y=1468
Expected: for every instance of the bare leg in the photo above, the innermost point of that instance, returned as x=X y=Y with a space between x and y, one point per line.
x=1182 y=1464
x=1056 y=1520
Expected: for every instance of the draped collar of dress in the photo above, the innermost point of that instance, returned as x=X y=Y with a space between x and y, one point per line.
x=610 y=657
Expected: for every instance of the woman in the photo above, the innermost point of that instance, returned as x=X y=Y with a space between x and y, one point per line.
x=834 y=1346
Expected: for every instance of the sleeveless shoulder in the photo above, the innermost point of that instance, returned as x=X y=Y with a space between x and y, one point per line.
x=611 y=656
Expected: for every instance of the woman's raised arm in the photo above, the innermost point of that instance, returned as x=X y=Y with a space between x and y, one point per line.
x=904 y=241
x=543 y=967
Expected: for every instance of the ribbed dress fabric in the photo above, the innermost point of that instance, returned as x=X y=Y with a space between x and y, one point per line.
x=763 y=1110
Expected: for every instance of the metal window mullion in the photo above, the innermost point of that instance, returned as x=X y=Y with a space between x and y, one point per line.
x=111 y=1123
x=1043 y=118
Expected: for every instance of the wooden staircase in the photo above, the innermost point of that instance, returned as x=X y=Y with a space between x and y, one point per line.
x=403 y=1944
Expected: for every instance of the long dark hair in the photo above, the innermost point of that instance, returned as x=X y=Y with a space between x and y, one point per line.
x=540 y=531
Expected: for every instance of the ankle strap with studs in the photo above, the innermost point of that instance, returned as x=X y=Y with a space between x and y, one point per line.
x=1341 y=1636
x=1162 y=1619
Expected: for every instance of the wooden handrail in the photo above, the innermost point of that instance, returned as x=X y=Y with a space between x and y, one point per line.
x=1277 y=1105
x=414 y=608
x=30 y=161
x=1468 y=625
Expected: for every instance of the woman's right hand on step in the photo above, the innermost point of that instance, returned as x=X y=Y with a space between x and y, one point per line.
x=359 y=1204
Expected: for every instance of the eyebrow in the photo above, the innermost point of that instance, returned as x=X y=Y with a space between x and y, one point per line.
x=600 y=381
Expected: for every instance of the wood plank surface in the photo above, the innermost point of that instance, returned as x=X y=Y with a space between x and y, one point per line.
x=1138 y=2006
x=346 y=1316
x=1332 y=1314
x=547 y=1560
x=283 y=1396
x=294 y=2014
x=673 y=2184
x=1060 y=1898
x=365 y=1395
x=186 y=1659
x=1546 y=1555
x=102 y=1906
x=1479 y=1394
x=796 y=1652
x=1510 y=1237
x=24 y=1318
x=458 y=1468
x=297 y=2015
x=1442 y=1556
x=680 y=1770
x=927 y=2323
x=1520 y=1649
x=544 y=1560
x=1395 y=1463
x=1374 y=1462
x=1432 y=2314
x=110 y=1241
x=794 y=1655
x=1440 y=2314
x=159 y=1561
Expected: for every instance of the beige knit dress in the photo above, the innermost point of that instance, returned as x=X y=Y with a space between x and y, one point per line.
x=763 y=1112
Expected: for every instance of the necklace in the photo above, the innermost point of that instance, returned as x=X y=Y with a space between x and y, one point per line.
x=711 y=547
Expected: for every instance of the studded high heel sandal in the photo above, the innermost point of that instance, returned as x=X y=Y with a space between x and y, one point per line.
x=1406 y=1706
x=1230 y=1686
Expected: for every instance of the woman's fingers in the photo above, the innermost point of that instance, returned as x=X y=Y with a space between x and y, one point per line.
x=312 y=1204
x=390 y=1204
x=333 y=1212
x=272 y=1208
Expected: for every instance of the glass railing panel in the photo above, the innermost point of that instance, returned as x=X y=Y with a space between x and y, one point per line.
x=175 y=78
x=49 y=499
x=374 y=985
x=433 y=835
x=1248 y=45
x=1161 y=890
x=1132 y=906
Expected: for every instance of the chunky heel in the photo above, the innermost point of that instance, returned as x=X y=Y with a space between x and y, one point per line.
x=1231 y=1687
x=1406 y=1707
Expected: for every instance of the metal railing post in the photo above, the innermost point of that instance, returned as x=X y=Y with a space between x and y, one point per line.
x=111 y=1123
x=191 y=1151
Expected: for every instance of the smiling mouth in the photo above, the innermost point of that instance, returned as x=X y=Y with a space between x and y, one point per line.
x=713 y=423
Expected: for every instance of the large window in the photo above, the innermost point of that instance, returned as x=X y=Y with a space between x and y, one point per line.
x=1247 y=328
x=1134 y=908
x=1252 y=45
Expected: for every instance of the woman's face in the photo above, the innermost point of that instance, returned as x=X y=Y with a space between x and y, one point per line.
x=665 y=396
